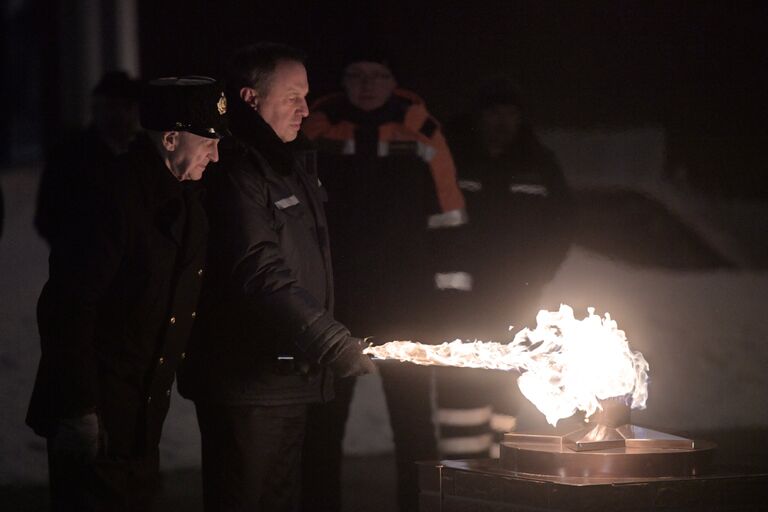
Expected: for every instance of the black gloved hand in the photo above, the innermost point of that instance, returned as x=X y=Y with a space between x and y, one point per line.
x=350 y=360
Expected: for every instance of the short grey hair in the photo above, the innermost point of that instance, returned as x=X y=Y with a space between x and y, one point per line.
x=254 y=65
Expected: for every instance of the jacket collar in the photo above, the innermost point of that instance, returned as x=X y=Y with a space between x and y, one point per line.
x=250 y=129
x=163 y=193
x=159 y=184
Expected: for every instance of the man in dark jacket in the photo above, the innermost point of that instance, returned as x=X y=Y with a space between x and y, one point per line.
x=522 y=225
x=74 y=176
x=266 y=344
x=119 y=304
x=523 y=214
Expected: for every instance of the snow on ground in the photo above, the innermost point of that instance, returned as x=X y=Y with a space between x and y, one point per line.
x=703 y=333
x=23 y=271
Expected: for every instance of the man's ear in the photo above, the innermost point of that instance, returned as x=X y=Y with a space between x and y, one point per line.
x=170 y=140
x=249 y=96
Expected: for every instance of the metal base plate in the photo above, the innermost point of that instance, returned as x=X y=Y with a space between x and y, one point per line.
x=603 y=451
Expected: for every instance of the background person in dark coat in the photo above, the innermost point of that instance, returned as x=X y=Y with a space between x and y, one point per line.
x=267 y=342
x=75 y=174
x=117 y=309
x=522 y=225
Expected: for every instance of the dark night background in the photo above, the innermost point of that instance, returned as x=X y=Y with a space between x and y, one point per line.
x=679 y=84
x=697 y=68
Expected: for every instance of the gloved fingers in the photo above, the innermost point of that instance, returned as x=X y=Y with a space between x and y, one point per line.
x=369 y=366
x=358 y=366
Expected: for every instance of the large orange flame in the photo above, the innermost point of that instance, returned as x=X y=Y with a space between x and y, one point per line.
x=567 y=365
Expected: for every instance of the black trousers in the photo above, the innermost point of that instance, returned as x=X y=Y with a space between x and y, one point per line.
x=322 y=456
x=470 y=404
x=408 y=392
x=251 y=456
x=106 y=483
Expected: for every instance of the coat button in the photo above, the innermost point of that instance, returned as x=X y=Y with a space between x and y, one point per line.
x=161 y=360
x=194 y=314
x=183 y=355
x=200 y=272
x=173 y=320
x=167 y=392
x=149 y=399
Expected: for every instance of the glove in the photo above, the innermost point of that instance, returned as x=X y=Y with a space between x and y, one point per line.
x=350 y=360
x=77 y=436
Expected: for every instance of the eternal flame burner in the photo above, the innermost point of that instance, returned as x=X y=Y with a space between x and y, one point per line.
x=609 y=447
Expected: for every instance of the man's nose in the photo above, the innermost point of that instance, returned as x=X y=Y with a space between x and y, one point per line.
x=215 y=152
x=304 y=108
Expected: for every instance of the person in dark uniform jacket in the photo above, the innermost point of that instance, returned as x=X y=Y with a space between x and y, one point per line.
x=266 y=344
x=74 y=176
x=118 y=307
x=522 y=214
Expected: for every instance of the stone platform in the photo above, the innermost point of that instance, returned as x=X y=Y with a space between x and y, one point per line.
x=483 y=486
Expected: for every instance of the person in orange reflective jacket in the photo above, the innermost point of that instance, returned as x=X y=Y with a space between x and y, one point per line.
x=394 y=207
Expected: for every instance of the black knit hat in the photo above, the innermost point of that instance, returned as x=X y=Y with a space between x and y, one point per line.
x=194 y=104
x=498 y=91
x=369 y=52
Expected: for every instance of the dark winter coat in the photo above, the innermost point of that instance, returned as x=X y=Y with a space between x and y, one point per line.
x=73 y=182
x=117 y=310
x=522 y=224
x=266 y=309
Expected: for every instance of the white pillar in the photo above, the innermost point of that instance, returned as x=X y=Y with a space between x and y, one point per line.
x=95 y=36
x=90 y=51
x=126 y=36
x=79 y=52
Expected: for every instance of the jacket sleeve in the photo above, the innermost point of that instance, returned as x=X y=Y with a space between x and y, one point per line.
x=447 y=222
x=261 y=274
x=80 y=274
x=434 y=150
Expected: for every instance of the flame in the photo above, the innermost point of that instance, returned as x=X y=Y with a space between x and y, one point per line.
x=567 y=365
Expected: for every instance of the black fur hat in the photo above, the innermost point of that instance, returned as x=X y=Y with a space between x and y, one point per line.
x=194 y=104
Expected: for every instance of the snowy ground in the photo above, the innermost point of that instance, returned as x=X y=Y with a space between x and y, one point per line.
x=23 y=271
x=704 y=333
